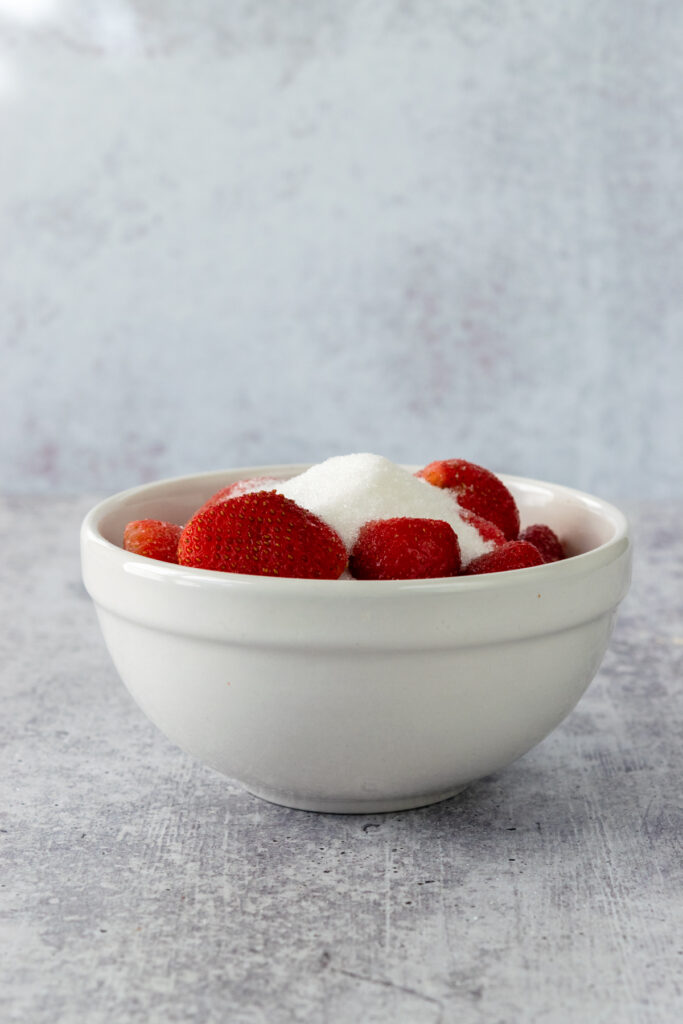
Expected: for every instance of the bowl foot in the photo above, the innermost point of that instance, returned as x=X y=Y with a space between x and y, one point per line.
x=332 y=805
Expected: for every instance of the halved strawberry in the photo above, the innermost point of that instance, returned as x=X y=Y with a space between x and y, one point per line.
x=405 y=548
x=546 y=540
x=487 y=530
x=516 y=554
x=264 y=534
x=476 y=489
x=153 y=538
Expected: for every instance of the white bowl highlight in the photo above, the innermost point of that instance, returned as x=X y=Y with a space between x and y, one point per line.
x=356 y=696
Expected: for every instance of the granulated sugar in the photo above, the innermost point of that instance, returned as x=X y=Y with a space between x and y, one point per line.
x=349 y=490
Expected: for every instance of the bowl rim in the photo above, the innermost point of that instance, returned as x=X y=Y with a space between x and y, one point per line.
x=141 y=566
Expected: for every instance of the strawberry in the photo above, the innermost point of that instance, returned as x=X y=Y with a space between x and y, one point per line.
x=264 y=534
x=234 y=490
x=516 y=554
x=546 y=540
x=476 y=489
x=405 y=549
x=153 y=538
x=485 y=529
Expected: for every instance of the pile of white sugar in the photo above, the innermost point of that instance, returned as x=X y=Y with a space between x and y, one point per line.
x=349 y=490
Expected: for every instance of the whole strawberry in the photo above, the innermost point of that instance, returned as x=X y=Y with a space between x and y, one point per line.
x=264 y=534
x=404 y=548
x=546 y=540
x=516 y=554
x=476 y=489
x=153 y=538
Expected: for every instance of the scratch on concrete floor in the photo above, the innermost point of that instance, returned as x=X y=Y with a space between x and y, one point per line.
x=386 y=983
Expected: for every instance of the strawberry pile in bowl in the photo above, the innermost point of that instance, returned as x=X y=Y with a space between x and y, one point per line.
x=356 y=636
x=355 y=516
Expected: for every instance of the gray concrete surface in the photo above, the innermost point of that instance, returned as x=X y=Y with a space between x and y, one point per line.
x=138 y=887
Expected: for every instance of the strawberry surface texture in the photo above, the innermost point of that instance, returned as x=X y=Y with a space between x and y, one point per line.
x=477 y=489
x=153 y=538
x=263 y=534
x=487 y=531
x=516 y=554
x=405 y=548
x=545 y=540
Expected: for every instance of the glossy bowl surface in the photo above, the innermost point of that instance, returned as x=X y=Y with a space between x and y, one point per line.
x=356 y=696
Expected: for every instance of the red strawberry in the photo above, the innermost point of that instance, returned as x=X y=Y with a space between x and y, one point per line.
x=264 y=534
x=153 y=538
x=546 y=540
x=476 y=489
x=234 y=490
x=516 y=554
x=405 y=549
x=485 y=529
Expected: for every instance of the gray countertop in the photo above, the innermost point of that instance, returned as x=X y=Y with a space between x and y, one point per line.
x=138 y=885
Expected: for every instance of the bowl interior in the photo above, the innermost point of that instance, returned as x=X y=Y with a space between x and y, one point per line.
x=582 y=522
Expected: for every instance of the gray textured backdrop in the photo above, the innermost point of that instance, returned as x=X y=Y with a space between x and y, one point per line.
x=274 y=231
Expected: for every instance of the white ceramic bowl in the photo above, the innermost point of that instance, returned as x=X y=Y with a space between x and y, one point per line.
x=356 y=696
